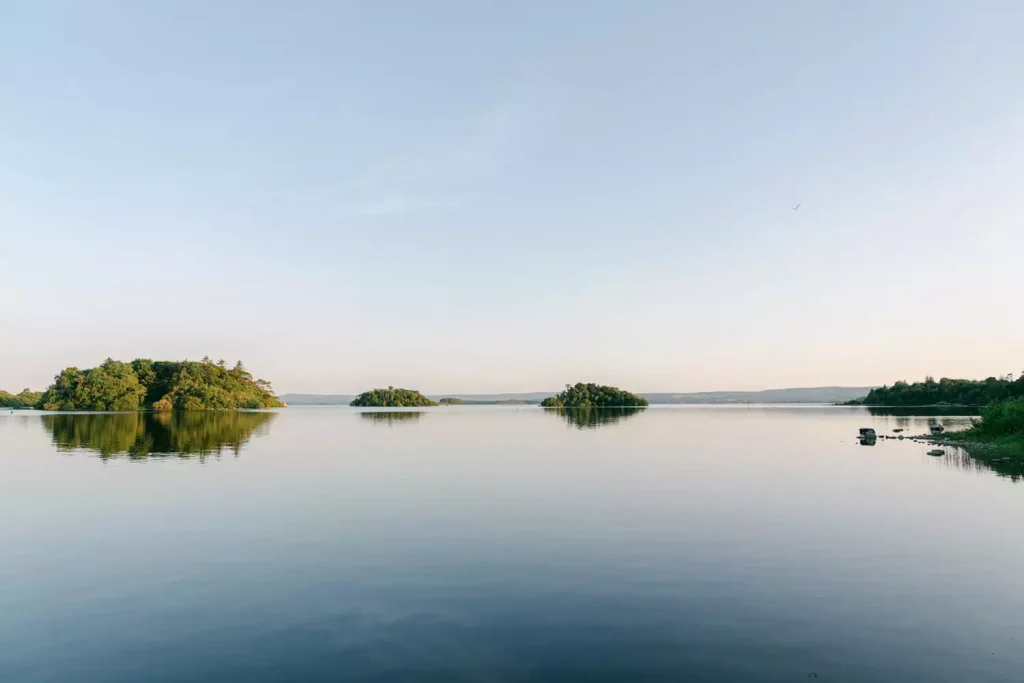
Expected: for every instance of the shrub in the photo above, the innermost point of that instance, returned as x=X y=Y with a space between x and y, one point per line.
x=1003 y=418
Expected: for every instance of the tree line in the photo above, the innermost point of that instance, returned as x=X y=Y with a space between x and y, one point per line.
x=25 y=399
x=964 y=392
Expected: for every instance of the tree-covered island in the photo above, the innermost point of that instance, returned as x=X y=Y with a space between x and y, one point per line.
x=593 y=396
x=145 y=384
x=391 y=398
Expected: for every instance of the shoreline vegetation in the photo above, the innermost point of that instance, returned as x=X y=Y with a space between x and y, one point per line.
x=26 y=399
x=944 y=393
x=144 y=384
x=999 y=432
x=998 y=435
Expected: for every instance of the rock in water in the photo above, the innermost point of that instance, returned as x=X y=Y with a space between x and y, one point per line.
x=936 y=451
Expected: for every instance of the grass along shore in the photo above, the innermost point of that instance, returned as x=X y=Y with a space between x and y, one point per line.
x=998 y=435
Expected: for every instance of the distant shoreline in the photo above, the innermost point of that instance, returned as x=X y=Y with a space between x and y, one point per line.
x=804 y=395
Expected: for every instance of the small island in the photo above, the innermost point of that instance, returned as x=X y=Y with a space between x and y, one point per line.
x=593 y=396
x=452 y=401
x=391 y=398
x=144 y=384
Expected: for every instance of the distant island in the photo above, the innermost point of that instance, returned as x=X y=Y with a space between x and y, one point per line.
x=593 y=396
x=451 y=401
x=790 y=395
x=946 y=391
x=144 y=384
x=391 y=398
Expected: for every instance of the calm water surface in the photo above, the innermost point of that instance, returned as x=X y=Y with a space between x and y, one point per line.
x=503 y=544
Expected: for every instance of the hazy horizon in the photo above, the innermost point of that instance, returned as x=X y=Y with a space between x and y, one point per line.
x=498 y=198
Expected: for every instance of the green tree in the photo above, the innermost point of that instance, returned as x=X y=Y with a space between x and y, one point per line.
x=391 y=398
x=26 y=399
x=67 y=391
x=593 y=395
x=160 y=385
x=29 y=398
x=964 y=392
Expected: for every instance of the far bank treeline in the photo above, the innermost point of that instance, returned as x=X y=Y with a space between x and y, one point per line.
x=26 y=399
x=145 y=384
x=1002 y=414
x=946 y=391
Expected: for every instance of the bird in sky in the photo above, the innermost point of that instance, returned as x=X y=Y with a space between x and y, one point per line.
x=797 y=206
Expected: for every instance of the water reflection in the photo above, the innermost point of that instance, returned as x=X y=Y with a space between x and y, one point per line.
x=923 y=411
x=592 y=418
x=1003 y=465
x=139 y=435
x=390 y=417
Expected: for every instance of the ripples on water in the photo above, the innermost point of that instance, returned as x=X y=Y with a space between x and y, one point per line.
x=504 y=544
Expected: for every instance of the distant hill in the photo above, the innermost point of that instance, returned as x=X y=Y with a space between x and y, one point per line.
x=796 y=395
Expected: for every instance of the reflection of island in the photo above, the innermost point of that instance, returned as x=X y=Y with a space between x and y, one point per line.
x=138 y=435
x=592 y=418
x=389 y=417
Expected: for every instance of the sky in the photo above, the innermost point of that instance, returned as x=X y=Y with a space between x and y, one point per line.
x=509 y=196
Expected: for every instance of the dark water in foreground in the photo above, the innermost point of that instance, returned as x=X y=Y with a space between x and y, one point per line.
x=497 y=544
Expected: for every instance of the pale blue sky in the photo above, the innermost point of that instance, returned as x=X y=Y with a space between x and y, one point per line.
x=471 y=196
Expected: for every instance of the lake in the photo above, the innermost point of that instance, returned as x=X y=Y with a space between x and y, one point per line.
x=503 y=544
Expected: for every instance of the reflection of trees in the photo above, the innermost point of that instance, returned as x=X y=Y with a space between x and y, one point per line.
x=592 y=418
x=1003 y=465
x=138 y=435
x=922 y=411
x=390 y=417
